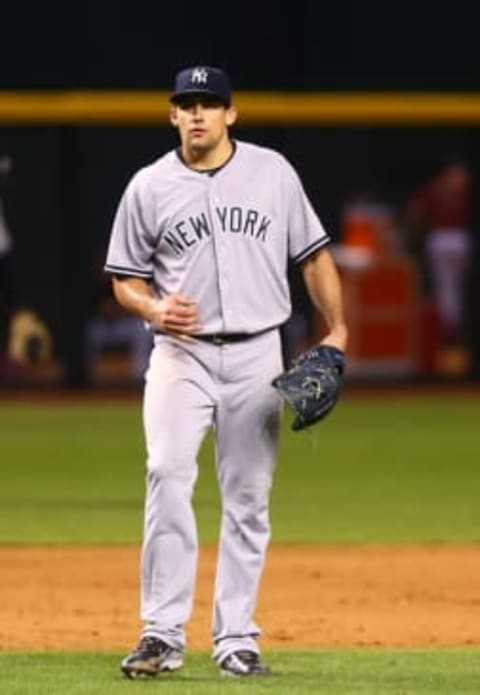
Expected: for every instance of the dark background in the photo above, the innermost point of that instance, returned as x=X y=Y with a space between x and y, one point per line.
x=308 y=44
x=66 y=181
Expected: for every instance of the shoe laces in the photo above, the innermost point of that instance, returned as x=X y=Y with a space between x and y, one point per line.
x=151 y=644
x=247 y=656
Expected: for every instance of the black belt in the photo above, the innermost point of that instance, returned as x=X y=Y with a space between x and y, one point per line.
x=223 y=338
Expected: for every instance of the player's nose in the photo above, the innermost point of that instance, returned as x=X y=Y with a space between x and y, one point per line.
x=197 y=110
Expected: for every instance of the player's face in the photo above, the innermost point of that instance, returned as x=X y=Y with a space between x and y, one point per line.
x=202 y=122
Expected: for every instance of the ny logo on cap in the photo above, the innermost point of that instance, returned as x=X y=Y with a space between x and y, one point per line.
x=199 y=76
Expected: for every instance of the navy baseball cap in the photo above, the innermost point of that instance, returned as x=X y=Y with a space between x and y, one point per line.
x=202 y=80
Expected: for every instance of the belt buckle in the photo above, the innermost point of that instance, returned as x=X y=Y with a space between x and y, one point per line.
x=217 y=339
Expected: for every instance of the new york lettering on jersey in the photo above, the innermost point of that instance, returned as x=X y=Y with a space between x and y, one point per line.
x=197 y=228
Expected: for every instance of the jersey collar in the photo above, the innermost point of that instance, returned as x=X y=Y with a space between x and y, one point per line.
x=208 y=172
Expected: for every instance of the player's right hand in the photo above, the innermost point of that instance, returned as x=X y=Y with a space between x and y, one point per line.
x=177 y=315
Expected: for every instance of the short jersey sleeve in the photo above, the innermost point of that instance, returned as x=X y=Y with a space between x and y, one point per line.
x=306 y=234
x=131 y=246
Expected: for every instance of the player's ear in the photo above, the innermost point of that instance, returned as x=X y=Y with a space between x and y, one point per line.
x=231 y=115
x=173 y=115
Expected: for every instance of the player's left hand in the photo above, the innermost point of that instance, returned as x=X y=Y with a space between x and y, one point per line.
x=313 y=384
x=337 y=338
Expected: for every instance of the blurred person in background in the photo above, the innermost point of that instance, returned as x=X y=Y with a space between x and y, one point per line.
x=25 y=339
x=438 y=222
x=6 y=270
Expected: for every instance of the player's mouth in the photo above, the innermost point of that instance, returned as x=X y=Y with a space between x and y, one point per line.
x=197 y=132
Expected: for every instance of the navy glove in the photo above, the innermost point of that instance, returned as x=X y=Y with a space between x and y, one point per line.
x=313 y=384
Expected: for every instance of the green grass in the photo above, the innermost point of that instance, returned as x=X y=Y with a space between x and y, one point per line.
x=326 y=672
x=377 y=470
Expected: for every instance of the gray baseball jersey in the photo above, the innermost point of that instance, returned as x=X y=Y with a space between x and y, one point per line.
x=222 y=240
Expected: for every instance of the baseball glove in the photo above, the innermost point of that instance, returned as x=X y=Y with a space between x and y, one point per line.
x=313 y=384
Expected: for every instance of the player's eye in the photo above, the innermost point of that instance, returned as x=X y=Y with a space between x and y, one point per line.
x=186 y=104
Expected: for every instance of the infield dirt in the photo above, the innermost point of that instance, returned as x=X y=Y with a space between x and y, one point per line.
x=83 y=598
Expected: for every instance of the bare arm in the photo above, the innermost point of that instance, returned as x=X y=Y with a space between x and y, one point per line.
x=174 y=314
x=323 y=285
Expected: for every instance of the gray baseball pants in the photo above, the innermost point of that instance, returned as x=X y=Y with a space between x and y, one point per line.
x=190 y=387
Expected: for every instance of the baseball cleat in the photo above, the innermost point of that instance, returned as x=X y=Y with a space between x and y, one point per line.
x=244 y=663
x=150 y=657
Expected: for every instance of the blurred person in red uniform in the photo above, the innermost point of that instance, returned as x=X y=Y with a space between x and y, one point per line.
x=439 y=211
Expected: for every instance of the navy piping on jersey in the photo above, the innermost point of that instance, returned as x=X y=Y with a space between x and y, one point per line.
x=320 y=243
x=208 y=172
x=121 y=270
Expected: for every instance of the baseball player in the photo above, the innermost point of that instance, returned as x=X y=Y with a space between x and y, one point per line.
x=199 y=250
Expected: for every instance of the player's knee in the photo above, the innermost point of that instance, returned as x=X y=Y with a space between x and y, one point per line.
x=249 y=496
x=167 y=463
x=250 y=523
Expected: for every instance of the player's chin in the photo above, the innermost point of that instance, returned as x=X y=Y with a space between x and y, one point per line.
x=199 y=141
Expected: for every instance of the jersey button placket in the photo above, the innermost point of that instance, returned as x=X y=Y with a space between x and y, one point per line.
x=215 y=202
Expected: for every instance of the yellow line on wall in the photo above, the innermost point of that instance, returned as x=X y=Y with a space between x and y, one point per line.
x=255 y=108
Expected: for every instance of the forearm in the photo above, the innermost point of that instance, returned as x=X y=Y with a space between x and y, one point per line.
x=136 y=296
x=324 y=288
x=174 y=314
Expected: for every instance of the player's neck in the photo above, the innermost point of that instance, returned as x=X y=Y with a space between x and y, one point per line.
x=208 y=159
